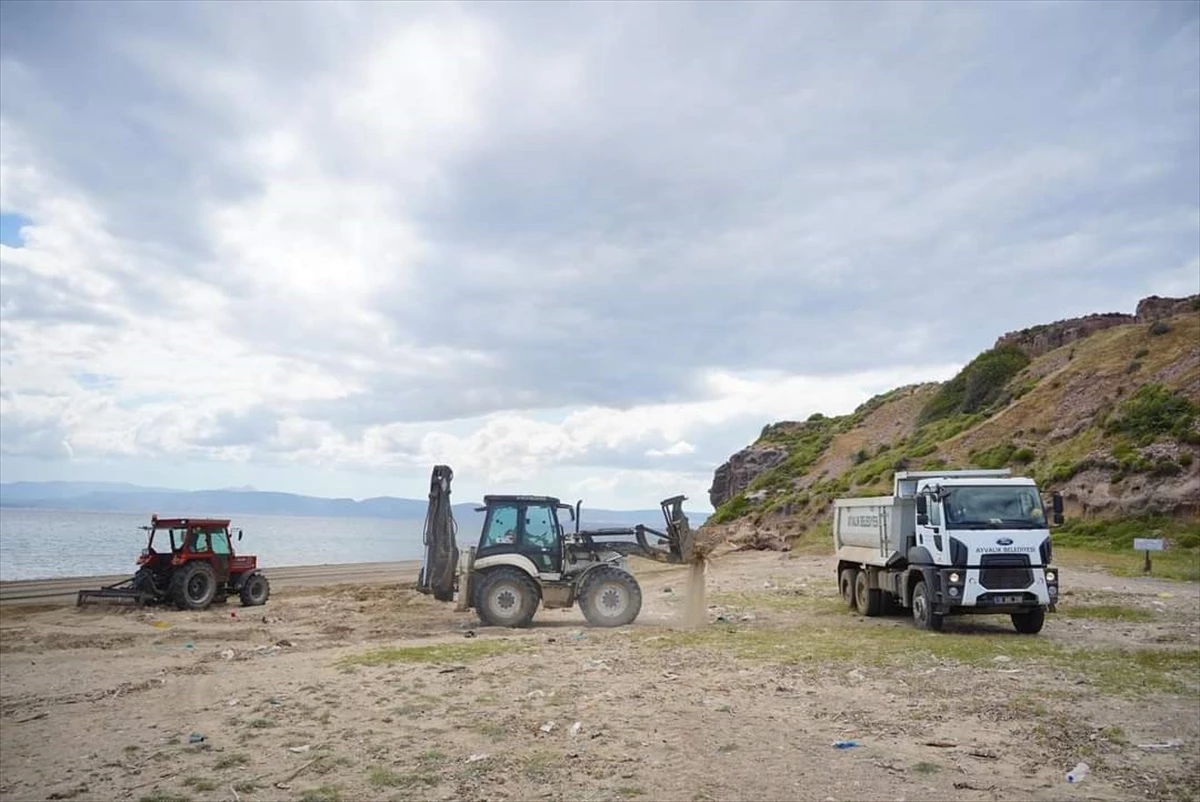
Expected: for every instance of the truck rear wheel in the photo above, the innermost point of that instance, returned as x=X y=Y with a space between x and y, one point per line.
x=867 y=599
x=846 y=586
x=1030 y=623
x=922 y=608
x=610 y=597
x=506 y=597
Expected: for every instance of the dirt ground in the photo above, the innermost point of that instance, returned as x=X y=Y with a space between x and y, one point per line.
x=372 y=691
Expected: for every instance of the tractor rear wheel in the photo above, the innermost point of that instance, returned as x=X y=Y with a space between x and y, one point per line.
x=193 y=586
x=610 y=597
x=255 y=590
x=506 y=597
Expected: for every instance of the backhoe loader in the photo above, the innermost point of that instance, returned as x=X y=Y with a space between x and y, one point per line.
x=525 y=558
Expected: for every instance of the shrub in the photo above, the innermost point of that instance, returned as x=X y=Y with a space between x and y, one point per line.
x=1024 y=455
x=732 y=509
x=1185 y=458
x=861 y=456
x=997 y=456
x=1154 y=411
x=816 y=416
x=1133 y=367
x=1159 y=328
x=1141 y=353
x=977 y=385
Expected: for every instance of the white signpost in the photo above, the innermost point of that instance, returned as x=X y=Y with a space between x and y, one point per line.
x=1147 y=545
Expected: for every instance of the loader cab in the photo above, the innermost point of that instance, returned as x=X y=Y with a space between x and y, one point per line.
x=525 y=525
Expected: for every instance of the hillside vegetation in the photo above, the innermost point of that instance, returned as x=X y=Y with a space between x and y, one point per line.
x=1111 y=419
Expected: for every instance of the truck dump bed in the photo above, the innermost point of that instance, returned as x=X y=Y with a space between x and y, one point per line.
x=875 y=530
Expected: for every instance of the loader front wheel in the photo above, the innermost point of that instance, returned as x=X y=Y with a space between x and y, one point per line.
x=255 y=590
x=610 y=597
x=506 y=597
x=193 y=586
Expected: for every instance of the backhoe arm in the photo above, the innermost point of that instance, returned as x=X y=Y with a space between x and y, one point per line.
x=440 y=563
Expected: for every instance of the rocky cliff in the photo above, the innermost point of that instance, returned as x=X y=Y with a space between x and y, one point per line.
x=1104 y=408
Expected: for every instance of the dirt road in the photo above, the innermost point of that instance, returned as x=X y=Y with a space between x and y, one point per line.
x=372 y=691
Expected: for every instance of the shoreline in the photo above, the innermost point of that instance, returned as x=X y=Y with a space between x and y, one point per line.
x=58 y=591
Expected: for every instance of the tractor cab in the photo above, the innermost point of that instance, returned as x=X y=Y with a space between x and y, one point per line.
x=524 y=525
x=181 y=540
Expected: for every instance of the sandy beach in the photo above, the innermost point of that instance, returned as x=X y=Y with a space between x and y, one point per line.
x=350 y=685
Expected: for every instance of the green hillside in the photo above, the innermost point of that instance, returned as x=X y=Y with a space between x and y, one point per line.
x=1111 y=420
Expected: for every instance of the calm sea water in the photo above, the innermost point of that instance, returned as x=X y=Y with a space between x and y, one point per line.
x=40 y=544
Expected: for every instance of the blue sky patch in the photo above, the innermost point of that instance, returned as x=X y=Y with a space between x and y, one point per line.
x=10 y=229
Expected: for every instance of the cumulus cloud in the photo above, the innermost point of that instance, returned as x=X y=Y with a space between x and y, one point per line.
x=592 y=246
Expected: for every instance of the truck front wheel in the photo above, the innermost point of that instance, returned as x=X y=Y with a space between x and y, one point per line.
x=1030 y=623
x=922 y=608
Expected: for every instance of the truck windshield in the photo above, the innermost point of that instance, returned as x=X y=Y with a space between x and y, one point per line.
x=983 y=507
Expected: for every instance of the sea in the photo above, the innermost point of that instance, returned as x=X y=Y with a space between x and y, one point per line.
x=44 y=544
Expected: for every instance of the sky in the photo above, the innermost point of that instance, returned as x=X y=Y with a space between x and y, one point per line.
x=585 y=249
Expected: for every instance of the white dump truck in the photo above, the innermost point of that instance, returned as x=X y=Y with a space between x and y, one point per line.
x=949 y=543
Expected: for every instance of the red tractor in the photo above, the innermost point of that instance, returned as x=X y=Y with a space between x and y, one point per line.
x=199 y=568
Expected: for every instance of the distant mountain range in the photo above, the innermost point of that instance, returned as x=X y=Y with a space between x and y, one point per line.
x=122 y=497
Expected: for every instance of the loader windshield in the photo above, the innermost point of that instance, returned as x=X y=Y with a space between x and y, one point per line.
x=994 y=507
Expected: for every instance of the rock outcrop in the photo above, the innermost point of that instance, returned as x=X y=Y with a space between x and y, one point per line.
x=1156 y=308
x=1043 y=339
x=735 y=474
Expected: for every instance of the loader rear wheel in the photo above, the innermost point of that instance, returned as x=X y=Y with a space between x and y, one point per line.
x=193 y=586
x=506 y=597
x=846 y=586
x=867 y=599
x=255 y=590
x=610 y=597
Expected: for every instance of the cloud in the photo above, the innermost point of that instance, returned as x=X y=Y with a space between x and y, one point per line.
x=580 y=244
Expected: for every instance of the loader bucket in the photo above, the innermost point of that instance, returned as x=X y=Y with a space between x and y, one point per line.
x=680 y=537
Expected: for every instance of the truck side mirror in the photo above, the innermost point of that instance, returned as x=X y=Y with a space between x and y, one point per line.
x=922 y=511
x=1057 y=504
x=239 y=534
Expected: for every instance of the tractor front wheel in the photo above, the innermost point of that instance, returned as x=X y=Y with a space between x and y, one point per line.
x=506 y=597
x=610 y=597
x=193 y=586
x=255 y=590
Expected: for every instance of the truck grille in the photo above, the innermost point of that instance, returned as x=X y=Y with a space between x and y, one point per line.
x=1005 y=571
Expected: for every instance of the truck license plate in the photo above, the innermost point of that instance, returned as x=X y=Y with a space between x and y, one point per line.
x=1008 y=600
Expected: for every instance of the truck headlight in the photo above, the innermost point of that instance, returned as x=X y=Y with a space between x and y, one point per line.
x=954 y=577
x=1051 y=576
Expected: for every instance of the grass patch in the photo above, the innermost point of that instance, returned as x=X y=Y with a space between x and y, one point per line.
x=1179 y=566
x=164 y=796
x=778 y=600
x=433 y=653
x=323 y=793
x=231 y=760
x=199 y=784
x=925 y=767
x=386 y=778
x=1105 y=612
x=1110 y=670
